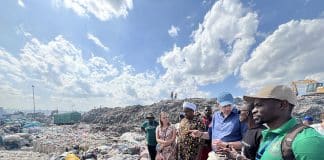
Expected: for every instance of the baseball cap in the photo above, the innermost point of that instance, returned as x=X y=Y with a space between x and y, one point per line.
x=225 y=99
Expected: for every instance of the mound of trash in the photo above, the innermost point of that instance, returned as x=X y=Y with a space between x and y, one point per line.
x=311 y=106
x=129 y=118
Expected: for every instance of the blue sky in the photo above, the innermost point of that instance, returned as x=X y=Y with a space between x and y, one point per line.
x=124 y=52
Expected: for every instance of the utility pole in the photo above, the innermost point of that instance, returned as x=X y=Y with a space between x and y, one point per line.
x=34 y=102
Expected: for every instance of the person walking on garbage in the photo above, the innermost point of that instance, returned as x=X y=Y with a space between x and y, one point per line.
x=149 y=127
x=252 y=138
x=226 y=129
x=165 y=136
x=273 y=106
x=189 y=147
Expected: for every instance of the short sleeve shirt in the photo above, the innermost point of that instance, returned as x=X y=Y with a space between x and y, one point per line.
x=150 y=132
x=308 y=144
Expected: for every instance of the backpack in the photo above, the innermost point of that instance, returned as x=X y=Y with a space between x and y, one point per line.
x=286 y=143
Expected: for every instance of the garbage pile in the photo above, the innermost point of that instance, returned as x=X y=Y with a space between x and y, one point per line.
x=16 y=141
x=39 y=117
x=60 y=141
x=11 y=128
x=32 y=127
x=22 y=155
x=311 y=106
x=128 y=119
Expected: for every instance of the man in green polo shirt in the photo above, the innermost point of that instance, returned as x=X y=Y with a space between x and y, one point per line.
x=149 y=127
x=273 y=106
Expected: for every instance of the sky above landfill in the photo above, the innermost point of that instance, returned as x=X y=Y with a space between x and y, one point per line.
x=81 y=54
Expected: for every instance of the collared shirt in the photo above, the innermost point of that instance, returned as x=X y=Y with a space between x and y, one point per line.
x=308 y=144
x=228 y=129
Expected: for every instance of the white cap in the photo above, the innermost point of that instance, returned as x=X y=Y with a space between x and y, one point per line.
x=189 y=106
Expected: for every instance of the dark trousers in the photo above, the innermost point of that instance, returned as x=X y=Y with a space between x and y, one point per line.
x=152 y=151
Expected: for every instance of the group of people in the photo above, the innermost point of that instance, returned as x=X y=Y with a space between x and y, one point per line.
x=261 y=128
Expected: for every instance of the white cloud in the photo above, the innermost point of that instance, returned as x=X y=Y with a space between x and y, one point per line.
x=97 y=41
x=294 y=51
x=317 y=76
x=173 y=31
x=62 y=77
x=101 y=9
x=220 y=45
x=21 y=3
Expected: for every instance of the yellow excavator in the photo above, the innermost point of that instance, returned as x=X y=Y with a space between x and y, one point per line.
x=312 y=87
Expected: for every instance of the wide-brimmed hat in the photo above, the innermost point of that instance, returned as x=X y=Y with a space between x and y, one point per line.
x=280 y=92
x=149 y=115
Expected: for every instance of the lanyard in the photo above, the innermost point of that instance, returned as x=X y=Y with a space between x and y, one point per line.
x=260 y=153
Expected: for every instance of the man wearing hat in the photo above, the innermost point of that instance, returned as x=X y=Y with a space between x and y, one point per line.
x=226 y=129
x=189 y=146
x=149 y=127
x=273 y=106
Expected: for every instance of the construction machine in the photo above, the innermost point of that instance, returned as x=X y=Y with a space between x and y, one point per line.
x=312 y=87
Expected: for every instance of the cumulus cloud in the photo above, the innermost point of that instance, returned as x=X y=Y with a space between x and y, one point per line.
x=294 y=51
x=21 y=3
x=173 y=31
x=220 y=46
x=101 y=9
x=63 y=77
x=97 y=41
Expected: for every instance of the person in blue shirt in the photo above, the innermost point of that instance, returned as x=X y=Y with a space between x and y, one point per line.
x=226 y=129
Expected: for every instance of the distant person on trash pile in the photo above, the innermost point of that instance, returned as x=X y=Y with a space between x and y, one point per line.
x=149 y=127
x=188 y=146
x=226 y=129
x=165 y=136
x=273 y=106
x=319 y=126
x=308 y=120
x=252 y=138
